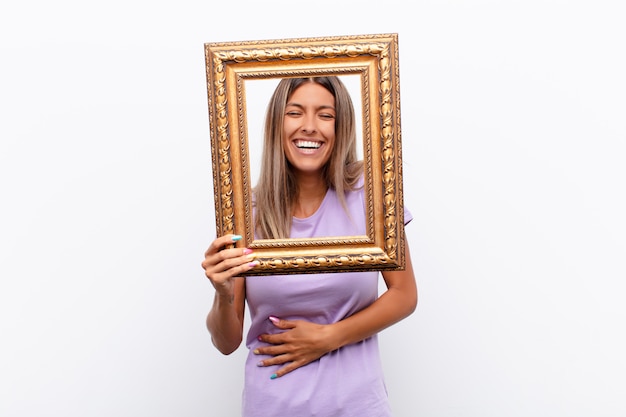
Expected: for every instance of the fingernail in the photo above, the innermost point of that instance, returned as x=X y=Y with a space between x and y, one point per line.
x=274 y=376
x=259 y=363
x=247 y=251
x=235 y=238
x=259 y=339
x=274 y=319
x=256 y=351
x=253 y=264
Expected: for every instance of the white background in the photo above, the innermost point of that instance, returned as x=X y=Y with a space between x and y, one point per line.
x=513 y=128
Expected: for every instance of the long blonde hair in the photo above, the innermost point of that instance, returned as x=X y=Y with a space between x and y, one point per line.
x=277 y=188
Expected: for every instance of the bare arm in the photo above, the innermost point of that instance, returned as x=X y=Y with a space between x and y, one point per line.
x=225 y=319
x=395 y=304
x=304 y=342
x=222 y=266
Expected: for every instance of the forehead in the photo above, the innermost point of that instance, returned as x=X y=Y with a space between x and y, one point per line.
x=311 y=92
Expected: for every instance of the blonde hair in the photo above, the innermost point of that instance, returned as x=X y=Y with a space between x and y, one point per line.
x=277 y=188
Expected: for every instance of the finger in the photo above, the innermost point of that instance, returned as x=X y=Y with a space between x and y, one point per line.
x=232 y=272
x=221 y=242
x=227 y=258
x=275 y=339
x=231 y=267
x=228 y=263
x=292 y=366
x=275 y=360
x=282 y=324
x=272 y=350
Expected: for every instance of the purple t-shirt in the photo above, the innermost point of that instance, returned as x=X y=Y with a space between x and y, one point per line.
x=343 y=383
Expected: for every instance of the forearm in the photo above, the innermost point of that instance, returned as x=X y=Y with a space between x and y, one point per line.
x=225 y=323
x=392 y=306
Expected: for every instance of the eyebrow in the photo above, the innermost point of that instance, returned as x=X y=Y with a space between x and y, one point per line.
x=317 y=108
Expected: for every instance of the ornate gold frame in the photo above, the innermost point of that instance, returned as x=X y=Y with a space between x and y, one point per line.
x=375 y=59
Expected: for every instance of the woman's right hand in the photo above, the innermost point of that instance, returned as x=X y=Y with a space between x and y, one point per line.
x=221 y=264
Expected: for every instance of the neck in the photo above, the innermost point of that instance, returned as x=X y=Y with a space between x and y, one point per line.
x=311 y=193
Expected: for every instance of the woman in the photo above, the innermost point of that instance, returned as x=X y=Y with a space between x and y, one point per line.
x=313 y=337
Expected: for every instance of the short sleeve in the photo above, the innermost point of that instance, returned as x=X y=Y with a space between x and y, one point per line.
x=407 y=216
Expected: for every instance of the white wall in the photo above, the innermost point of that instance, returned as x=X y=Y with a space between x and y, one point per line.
x=514 y=144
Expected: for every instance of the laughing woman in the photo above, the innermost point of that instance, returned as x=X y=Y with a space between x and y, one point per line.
x=313 y=348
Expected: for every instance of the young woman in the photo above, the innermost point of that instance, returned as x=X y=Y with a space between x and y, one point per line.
x=313 y=348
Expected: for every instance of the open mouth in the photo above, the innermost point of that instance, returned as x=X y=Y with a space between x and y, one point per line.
x=307 y=144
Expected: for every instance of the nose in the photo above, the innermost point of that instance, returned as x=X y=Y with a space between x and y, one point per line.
x=308 y=124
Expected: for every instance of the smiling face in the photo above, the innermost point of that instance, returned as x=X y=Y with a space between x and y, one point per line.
x=309 y=128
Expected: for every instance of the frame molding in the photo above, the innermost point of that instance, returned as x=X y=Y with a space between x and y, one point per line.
x=375 y=59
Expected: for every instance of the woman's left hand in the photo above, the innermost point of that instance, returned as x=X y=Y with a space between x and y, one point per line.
x=300 y=343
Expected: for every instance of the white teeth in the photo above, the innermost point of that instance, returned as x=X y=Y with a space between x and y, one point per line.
x=308 y=144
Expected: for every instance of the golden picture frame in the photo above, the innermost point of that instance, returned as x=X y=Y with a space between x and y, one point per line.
x=231 y=68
